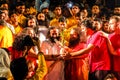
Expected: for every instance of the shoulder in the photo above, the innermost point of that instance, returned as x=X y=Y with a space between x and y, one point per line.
x=4 y=52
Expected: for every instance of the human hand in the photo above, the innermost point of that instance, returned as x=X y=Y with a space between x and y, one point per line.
x=103 y=34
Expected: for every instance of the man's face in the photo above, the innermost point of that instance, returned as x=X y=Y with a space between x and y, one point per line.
x=74 y=38
x=2 y=16
x=73 y=35
x=4 y=5
x=75 y=10
x=45 y=11
x=62 y=25
x=14 y=17
x=97 y=25
x=6 y=14
x=31 y=33
x=117 y=10
x=58 y=11
x=21 y=9
x=32 y=22
x=41 y=16
x=54 y=33
x=112 y=25
x=95 y=9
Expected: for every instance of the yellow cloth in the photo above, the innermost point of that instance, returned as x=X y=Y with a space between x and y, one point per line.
x=71 y=22
x=18 y=29
x=42 y=68
x=54 y=22
x=65 y=35
x=33 y=11
x=21 y=19
x=6 y=37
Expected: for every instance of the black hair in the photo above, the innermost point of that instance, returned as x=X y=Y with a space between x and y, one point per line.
x=20 y=3
x=87 y=23
x=12 y=12
x=98 y=19
x=58 y=6
x=29 y=17
x=62 y=19
x=3 y=2
x=19 y=68
x=21 y=41
x=81 y=5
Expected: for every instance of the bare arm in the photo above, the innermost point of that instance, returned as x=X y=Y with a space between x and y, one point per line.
x=109 y=44
x=110 y=47
x=83 y=51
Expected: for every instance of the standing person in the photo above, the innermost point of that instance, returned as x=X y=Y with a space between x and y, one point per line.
x=15 y=23
x=4 y=64
x=43 y=25
x=20 y=10
x=58 y=14
x=19 y=68
x=76 y=67
x=31 y=22
x=71 y=21
x=95 y=12
x=20 y=47
x=114 y=45
x=7 y=19
x=42 y=20
x=5 y=40
x=64 y=31
x=51 y=51
x=41 y=3
x=99 y=58
x=35 y=57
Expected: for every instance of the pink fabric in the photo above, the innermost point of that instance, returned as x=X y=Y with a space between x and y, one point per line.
x=99 y=56
x=115 y=40
x=55 y=68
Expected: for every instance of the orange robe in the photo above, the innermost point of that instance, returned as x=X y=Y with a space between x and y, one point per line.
x=77 y=67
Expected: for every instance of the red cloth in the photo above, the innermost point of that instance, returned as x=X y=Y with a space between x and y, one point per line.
x=115 y=40
x=74 y=69
x=89 y=32
x=14 y=53
x=99 y=56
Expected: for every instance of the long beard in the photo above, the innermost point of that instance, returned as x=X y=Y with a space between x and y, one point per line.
x=52 y=39
x=41 y=22
x=73 y=42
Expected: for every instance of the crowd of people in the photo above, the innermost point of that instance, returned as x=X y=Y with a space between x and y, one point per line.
x=70 y=42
